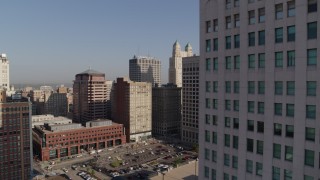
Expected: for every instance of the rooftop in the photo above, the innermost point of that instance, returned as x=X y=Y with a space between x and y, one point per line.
x=91 y=72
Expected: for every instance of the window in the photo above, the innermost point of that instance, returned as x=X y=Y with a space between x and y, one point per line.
x=225 y=176
x=228 y=86
x=250 y=125
x=311 y=88
x=261 y=60
x=227 y=105
x=250 y=1
x=235 y=162
x=207 y=119
x=287 y=175
x=215 y=104
x=228 y=4
x=207 y=137
x=277 y=151
x=236 y=41
x=208 y=64
x=260 y=127
x=290 y=110
x=251 y=106
x=236 y=105
x=261 y=15
x=228 y=42
x=208 y=45
x=227 y=122
x=249 y=166
x=251 y=87
x=228 y=62
x=278 y=109
x=288 y=153
x=252 y=18
x=207 y=103
x=278 y=87
x=259 y=169
x=214 y=120
x=236 y=62
x=235 y=123
x=206 y=154
x=310 y=134
x=312 y=30
x=213 y=174
x=236 y=20
x=236 y=3
x=249 y=145
x=311 y=111
x=215 y=86
x=291 y=58
x=208 y=87
x=306 y=177
x=275 y=173
x=208 y=27
x=291 y=33
x=277 y=129
x=289 y=131
x=279 y=11
x=215 y=44
x=251 y=39
x=261 y=107
x=259 y=147
x=290 y=88
x=228 y=22
x=291 y=8
x=312 y=6
x=251 y=61
x=214 y=156
x=226 y=160
x=206 y=172
x=215 y=64
x=279 y=59
x=235 y=142
x=227 y=140
x=261 y=87
x=278 y=35
x=309 y=157
x=215 y=25
x=312 y=57
x=214 y=138
x=261 y=38
x=236 y=87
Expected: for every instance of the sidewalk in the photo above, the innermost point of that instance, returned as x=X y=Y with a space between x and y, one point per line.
x=185 y=172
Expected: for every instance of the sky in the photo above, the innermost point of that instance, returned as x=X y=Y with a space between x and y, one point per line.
x=51 y=41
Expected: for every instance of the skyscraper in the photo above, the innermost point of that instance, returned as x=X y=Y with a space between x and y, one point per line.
x=145 y=69
x=15 y=132
x=175 y=63
x=259 y=97
x=89 y=96
x=190 y=100
x=132 y=107
x=4 y=69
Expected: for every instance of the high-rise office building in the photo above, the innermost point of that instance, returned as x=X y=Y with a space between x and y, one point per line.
x=89 y=96
x=145 y=69
x=175 y=63
x=166 y=111
x=132 y=107
x=15 y=132
x=259 y=96
x=190 y=100
x=4 y=69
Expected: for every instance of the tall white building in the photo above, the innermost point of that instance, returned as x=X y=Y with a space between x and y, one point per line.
x=175 y=63
x=259 y=95
x=4 y=69
x=145 y=69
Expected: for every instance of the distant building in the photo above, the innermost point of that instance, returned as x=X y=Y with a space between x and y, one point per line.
x=175 y=63
x=57 y=104
x=4 y=71
x=90 y=96
x=62 y=90
x=166 y=111
x=190 y=100
x=56 y=141
x=49 y=119
x=132 y=107
x=15 y=144
x=145 y=69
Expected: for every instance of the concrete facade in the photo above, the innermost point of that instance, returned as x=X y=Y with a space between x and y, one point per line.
x=132 y=107
x=4 y=69
x=190 y=100
x=145 y=69
x=259 y=90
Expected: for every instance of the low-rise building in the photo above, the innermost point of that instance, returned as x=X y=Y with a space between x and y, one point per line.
x=56 y=141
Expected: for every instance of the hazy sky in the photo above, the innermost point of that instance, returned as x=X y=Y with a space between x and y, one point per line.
x=51 y=41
